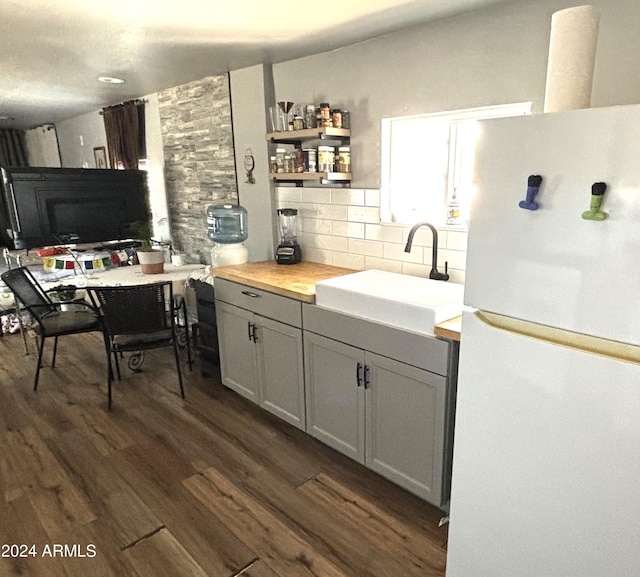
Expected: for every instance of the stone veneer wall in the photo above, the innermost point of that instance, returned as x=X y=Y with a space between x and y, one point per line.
x=199 y=167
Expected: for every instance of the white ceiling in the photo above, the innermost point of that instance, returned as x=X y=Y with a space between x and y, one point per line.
x=52 y=51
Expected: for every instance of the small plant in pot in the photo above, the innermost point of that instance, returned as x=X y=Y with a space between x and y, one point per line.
x=151 y=260
x=63 y=292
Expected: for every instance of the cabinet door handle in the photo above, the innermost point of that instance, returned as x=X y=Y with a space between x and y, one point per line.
x=254 y=332
x=250 y=294
x=359 y=368
x=251 y=332
x=367 y=382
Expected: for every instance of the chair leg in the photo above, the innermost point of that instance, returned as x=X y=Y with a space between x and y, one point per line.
x=177 y=355
x=40 y=350
x=55 y=350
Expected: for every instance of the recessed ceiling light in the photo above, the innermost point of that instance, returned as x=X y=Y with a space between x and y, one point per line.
x=110 y=80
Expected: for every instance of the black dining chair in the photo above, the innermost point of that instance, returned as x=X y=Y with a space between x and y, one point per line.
x=52 y=319
x=136 y=318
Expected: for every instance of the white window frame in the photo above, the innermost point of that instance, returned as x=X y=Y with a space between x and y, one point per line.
x=458 y=159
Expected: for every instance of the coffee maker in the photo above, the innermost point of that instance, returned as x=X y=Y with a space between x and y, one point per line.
x=288 y=251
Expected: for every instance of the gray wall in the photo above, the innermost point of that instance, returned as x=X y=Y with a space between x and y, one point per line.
x=491 y=56
x=249 y=127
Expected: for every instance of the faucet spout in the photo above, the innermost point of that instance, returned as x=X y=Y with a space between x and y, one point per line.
x=434 y=273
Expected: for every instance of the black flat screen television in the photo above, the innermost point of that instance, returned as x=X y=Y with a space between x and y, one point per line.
x=53 y=206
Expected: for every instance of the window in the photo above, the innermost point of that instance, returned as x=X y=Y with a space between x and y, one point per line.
x=427 y=162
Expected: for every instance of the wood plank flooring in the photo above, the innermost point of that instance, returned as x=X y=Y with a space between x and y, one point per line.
x=206 y=486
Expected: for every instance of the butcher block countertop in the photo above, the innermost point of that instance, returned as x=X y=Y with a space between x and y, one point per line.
x=298 y=281
x=449 y=329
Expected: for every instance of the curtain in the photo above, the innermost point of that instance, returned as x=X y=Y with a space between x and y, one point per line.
x=13 y=151
x=124 y=126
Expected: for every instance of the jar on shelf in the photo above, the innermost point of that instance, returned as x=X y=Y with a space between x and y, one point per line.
x=325 y=114
x=289 y=165
x=336 y=118
x=280 y=154
x=346 y=119
x=310 y=119
x=326 y=158
x=298 y=123
x=273 y=164
x=310 y=160
x=343 y=159
x=299 y=160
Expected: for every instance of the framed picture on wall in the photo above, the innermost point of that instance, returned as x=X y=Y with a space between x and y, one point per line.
x=100 y=156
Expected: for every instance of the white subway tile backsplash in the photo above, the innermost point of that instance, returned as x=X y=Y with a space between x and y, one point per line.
x=364 y=214
x=366 y=247
x=421 y=270
x=457 y=240
x=396 y=252
x=372 y=198
x=330 y=242
x=382 y=264
x=456 y=259
x=384 y=232
x=342 y=227
x=351 y=196
x=322 y=195
x=346 y=260
x=317 y=255
x=289 y=194
x=332 y=212
x=316 y=225
x=350 y=229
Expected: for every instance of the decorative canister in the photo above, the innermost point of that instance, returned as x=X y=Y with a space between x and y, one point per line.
x=343 y=159
x=326 y=158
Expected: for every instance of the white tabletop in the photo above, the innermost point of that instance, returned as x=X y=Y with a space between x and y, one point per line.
x=132 y=275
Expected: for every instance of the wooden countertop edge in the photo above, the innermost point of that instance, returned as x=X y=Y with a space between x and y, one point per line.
x=449 y=329
x=294 y=294
x=305 y=290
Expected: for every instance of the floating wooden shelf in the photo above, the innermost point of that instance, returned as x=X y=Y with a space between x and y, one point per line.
x=320 y=133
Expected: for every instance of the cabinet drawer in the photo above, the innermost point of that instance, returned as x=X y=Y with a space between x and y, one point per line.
x=270 y=305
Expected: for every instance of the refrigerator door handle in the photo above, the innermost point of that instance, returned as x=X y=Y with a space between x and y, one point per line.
x=585 y=343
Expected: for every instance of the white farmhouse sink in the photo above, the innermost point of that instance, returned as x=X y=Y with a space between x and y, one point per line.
x=406 y=302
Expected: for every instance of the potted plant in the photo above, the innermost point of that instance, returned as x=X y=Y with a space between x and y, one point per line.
x=63 y=292
x=151 y=259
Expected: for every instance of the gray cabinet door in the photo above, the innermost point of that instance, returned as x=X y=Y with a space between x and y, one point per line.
x=405 y=422
x=238 y=366
x=335 y=402
x=281 y=371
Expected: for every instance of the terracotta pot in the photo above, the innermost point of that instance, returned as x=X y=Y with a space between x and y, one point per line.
x=151 y=261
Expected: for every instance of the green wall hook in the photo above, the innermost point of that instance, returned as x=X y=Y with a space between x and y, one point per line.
x=597 y=196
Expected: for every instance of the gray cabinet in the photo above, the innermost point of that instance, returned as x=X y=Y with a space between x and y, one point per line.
x=335 y=399
x=385 y=398
x=260 y=341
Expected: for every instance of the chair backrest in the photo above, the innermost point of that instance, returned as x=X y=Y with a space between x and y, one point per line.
x=137 y=309
x=27 y=290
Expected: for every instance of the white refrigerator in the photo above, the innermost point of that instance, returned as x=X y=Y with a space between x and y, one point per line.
x=546 y=466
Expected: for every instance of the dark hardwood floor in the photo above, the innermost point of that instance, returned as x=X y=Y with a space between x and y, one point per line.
x=160 y=486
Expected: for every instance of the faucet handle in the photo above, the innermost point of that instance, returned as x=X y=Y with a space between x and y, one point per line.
x=435 y=275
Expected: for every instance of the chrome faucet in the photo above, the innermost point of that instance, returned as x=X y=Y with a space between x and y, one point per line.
x=434 y=274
